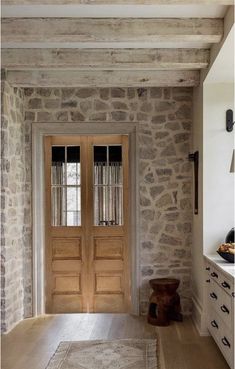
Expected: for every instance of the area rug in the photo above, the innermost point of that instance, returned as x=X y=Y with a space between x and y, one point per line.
x=115 y=354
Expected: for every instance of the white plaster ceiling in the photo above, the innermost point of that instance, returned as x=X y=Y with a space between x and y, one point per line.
x=115 y=11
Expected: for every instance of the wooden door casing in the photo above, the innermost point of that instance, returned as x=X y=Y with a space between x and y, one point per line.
x=87 y=266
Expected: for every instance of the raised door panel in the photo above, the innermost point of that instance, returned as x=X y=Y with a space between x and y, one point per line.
x=67 y=284
x=67 y=275
x=113 y=303
x=108 y=283
x=63 y=248
x=66 y=303
x=66 y=266
x=109 y=273
x=108 y=248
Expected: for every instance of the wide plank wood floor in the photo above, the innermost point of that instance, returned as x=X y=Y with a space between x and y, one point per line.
x=33 y=341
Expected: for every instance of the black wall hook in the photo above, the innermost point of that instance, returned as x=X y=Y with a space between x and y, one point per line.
x=229 y=120
x=194 y=157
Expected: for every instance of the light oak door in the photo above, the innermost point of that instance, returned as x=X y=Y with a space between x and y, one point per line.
x=87 y=214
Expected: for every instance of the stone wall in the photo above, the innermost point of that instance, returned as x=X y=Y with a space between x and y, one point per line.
x=165 y=120
x=15 y=211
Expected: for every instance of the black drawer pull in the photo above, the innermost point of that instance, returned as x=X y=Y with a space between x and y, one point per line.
x=213 y=295
x=214 y=324
x=208 y=268
x=233 y=294
x=225 y=342
x=214 y=275
x=224 y=309
x=208 y=281
x=225 y=285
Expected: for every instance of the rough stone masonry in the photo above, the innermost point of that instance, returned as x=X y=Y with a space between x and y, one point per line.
x=164 y=116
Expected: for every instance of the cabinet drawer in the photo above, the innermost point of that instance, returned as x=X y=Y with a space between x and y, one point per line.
x=226 y=283
x=220 y=309
x=222 y=336
x=221 y=302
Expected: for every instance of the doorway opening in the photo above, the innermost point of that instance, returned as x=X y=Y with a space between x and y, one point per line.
x=87 y=224
x=39 y=132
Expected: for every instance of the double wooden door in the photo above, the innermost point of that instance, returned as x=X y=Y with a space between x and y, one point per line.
x=86 y=203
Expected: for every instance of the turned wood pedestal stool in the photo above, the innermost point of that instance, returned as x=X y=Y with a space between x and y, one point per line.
x=164 y=303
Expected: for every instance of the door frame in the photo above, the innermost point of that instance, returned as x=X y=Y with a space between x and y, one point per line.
x=39 y=131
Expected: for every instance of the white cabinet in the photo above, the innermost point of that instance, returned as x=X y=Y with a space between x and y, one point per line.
x=219 y=277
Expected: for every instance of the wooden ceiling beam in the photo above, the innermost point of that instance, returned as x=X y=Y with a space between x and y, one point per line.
x=105 y=59
x=55 y=78
x=18 y=30
x=124 y=2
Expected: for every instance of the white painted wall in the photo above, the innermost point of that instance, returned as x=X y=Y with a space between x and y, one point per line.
x=216 y=185
x=218 y=144
x=197 y=249
x=218 y=182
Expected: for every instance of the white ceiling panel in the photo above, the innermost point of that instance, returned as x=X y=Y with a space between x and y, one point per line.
x=115 y=11
x=223 y=68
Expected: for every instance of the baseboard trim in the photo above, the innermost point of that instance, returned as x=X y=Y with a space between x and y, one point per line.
x=199 y=317
x=11 y=327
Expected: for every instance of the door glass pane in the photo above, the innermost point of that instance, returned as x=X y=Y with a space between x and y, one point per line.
x=73 y=206
x=115 y=206
x=108 y=205
x=115 y=153
x=101 y=165
x=115 y=165
x=73 y=198
x=58 y=206
x=100 y=205
x=73 y=165
x=108 y=185
x=115 y=174
x=66 y=186
x=58 y=165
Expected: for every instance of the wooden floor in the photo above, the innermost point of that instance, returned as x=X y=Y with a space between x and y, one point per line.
x=31 y=344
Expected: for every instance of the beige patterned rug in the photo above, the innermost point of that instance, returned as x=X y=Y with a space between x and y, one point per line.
x=116 y=354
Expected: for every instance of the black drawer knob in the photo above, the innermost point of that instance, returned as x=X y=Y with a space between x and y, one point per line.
x=213 y=295
x=225 y=342
x=225 y=285
x=214 y=324
x=208 y=281
x=207 y=268
x=214 y=275
x=224 y=309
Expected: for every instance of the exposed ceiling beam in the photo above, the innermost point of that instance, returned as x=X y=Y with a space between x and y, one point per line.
x=106 y=59
x=102 y=78
x=111 y=2
x=111 y=30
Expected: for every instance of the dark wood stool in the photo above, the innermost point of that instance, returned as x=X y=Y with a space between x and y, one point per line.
x=164 y=303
